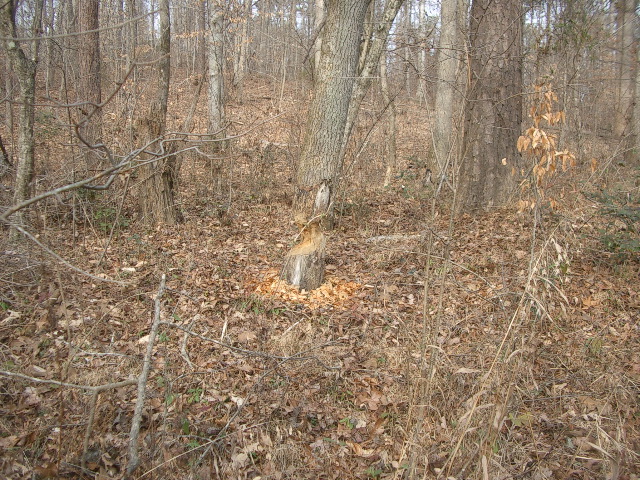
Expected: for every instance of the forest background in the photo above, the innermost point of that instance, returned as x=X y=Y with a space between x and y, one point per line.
x=289 y=239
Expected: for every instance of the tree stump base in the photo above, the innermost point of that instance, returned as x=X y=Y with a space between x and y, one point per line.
x=304 y=264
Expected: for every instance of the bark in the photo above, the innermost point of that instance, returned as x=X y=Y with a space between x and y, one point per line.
x=448 y=60
x=390 y=144
x=494 y=107
x=318 y=20
x=320 y=161
x=5 y=161
x=131 y=32
x=25 y=70
x=422 y=53
x=626 y=72
x=157 y=192
x=240 y=63
x=406 y=20
x=216 y=62
x=89 y=86
x=216 y=88
x=8 y=82
x=636 y=110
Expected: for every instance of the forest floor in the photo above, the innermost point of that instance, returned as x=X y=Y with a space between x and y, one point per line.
x=487 y=346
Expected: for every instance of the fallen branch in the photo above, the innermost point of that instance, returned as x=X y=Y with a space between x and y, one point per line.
x=394 y=238
x=89 y=388
x=134 y=460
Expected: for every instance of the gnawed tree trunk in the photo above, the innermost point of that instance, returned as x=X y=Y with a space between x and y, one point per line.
x=494 y=107
x=320 y=162
x=157 y=191
x=25 y=70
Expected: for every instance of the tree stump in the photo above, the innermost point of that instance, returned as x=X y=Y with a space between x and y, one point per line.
x=304 y=264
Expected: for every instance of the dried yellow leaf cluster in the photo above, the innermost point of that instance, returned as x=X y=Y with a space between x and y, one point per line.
x=539 y=145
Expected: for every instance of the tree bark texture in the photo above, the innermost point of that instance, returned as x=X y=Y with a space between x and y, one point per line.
x=318 y=20
x=216 y=62
x=25 y=70
x=636 y=109
x=626 y=72
x=494 y=106
x=240 y=60
x=320 y=162
x=157 y=192
x=89 y=85
x=448 y=61
x=390 y=144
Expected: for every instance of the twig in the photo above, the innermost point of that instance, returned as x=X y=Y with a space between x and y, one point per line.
x=134 y=460
x=89 y=388
x=183 y=345
x=253 y=353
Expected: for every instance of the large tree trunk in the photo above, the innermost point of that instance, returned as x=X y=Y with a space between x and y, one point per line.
x=448 y=60
x=494 y=107
x=216 y=62
x=320 y=161
x=216 y=87
x=627 y=66
x=25 y=69
x=89 y=86
x=157 y=193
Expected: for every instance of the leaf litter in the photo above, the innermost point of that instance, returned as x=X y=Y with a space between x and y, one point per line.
x=272 y=382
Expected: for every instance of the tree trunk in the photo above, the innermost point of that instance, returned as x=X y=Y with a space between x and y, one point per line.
x=636 y=109
x=89 y=86
x=216 y=63
x=494 y=107
x=447 y=69
x=422 y=52
x=157 y=192
x=25 y=70
x=626 y=72
x=318 y=19
x=216 y=88
x=240 y=61
x=407 y=47
x=390 y=144
x=8 y=82
x=320 y=161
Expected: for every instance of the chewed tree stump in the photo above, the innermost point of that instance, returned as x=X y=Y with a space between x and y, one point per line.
x=304 y=264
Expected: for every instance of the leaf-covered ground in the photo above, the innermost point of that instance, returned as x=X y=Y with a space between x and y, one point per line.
x=489 y=346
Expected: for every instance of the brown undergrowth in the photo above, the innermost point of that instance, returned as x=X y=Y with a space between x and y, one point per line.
x=491 y=350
